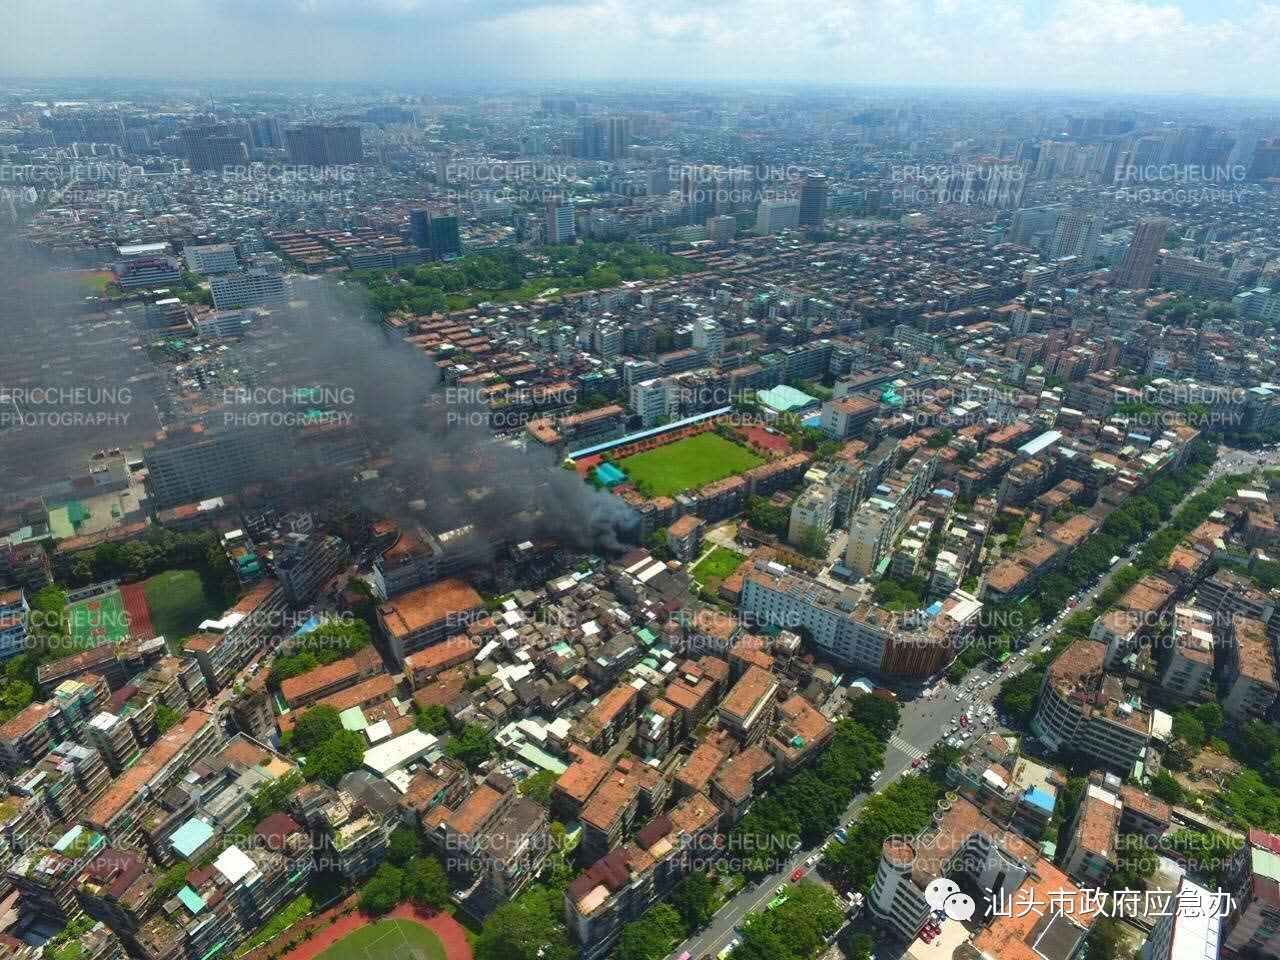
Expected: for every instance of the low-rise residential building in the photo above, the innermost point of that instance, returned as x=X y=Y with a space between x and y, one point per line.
x=624 y=883
x=1092 y=852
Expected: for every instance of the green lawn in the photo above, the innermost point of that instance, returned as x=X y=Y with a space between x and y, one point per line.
x=720 y=562
x=687 y=464
x=178 y=604
x=97 y=621
x=388 y=939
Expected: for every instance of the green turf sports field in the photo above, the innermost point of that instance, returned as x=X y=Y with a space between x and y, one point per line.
x=178 y=604
x=688 y=464
x=97 y=620
x=388 y=940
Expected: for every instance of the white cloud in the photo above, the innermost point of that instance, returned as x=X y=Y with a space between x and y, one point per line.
x=1079 y=44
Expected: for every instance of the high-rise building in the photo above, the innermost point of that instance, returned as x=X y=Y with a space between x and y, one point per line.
x=211 y=258
x=813 y=200
x=438 y=232
x=323 y=145
x=189 y=464
x=774 y=216
x=616 y=137
x=1034 y=226
x=721 y=229
x=708 y=336
x=211 y=148
x=1076 y=235
x=560 y=226
x=1192 y=929
x=593 y=139
x=1135 y=271
x=267 y=132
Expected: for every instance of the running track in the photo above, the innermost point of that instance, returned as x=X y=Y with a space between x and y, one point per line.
x=442 y=925
x=134 y=597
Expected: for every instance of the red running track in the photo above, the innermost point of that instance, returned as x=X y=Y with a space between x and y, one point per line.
x=134 y=598
x=449 y=931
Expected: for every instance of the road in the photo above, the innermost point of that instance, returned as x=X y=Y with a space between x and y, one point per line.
x=923 y=723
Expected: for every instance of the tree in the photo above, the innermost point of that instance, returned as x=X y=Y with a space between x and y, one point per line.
x=333 y=759
x=878 y=714
x=768 y=517
x=433 y=720
x=1105 y=939
x=530 y=927
x=1187 y=727
x=695 y=899
x=328 y=643
x=473 y=746
x=942 y=757
x=1018 y=695
x=902 y=809
x=403 y=845
x=1211 y=718
x=382 y=893
x=426 y=883
x=860 y=947
x=798 y=928
x=813 y=542
x=1136 y=861
x=166 y=717
x=1167 y=788
x=274 y=797
x=315 y=726
x=652 y=936
x=538 y=787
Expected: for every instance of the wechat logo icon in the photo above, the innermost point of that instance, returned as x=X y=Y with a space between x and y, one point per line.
x=946 y=900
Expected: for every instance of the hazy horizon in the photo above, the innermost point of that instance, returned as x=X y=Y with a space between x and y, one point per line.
x=1070 y=46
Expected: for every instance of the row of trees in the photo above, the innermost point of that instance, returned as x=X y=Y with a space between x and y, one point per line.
x=796 y=930
x=156 y=551
x=807 y=806
x=904 y=808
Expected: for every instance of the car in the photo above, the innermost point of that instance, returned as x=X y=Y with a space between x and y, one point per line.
x=796 y=874
x=811 y=861
x=875 y=776
x=916 y=762
x=782 y=888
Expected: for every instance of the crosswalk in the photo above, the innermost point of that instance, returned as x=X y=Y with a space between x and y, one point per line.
x=913 y=752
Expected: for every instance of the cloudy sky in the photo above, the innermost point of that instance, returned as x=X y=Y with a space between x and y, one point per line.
x=1210 y=46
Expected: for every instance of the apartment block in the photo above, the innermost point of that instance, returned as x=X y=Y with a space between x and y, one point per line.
x=424 y=616
x=620 y=886
x=748 y=709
